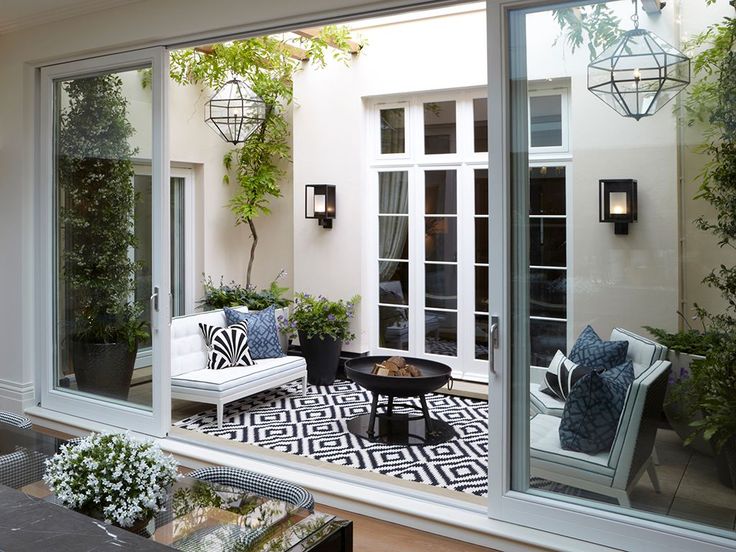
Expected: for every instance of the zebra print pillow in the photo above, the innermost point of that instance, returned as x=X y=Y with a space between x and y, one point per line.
x=227 y=346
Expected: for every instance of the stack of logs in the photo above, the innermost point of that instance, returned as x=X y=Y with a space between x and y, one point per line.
x=396 y=366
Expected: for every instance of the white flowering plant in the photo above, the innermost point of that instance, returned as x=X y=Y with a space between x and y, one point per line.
x=112 y=477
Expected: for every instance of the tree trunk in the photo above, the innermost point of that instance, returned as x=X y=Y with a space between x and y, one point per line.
x=254 y=234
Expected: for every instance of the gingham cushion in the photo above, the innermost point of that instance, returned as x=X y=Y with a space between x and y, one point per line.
x=15 y=420
x=21 y=468
x=257 y=483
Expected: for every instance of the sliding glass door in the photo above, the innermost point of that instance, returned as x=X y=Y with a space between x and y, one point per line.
x=107 y=276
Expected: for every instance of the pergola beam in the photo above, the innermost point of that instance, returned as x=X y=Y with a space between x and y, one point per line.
x=312 y=32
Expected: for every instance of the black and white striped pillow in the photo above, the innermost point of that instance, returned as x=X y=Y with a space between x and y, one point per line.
x=227 y=347
x=562 y=374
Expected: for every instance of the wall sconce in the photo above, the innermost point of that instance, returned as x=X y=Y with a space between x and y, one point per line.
x=618 y=203
x=320 y=203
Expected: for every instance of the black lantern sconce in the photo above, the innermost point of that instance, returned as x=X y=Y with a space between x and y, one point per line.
x=320 y=203
x=618 y=203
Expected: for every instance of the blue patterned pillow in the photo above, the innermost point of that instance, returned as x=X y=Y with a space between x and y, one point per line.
x=590 y=350
x=593 y=408
x=263 y=334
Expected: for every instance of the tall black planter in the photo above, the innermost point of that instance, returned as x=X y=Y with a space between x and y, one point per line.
x=322 y=356
x=103 y=368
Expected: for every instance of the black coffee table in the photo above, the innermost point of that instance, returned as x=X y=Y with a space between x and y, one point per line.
x=399 y=428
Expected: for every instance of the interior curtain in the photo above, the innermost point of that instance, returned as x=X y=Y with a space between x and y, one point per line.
x=394 y=198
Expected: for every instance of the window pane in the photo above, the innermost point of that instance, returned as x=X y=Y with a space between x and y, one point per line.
x=547 y=191
x=547 y=337
x=480 y=124
x=439 y=128
x=481 y=337
x=394 y=282
x=440 y=192
x=481 y=240
x=393 y=192
x=440 y=238
x=547 y=242
x=440 y=330
x=545 y=120
x=548 y=293
x=440 y=286
x=481 y=288
x=481 y=191
x=392 y=130
x=393 y=328
x=393 y=237
x=178 y=273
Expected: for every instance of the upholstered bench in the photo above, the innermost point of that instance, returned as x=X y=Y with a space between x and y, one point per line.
x=191 y=380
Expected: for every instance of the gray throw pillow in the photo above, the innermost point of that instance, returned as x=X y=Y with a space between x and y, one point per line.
x=590 y=350
x=263 y=334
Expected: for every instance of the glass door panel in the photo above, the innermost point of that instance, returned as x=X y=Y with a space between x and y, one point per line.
x=108 y=286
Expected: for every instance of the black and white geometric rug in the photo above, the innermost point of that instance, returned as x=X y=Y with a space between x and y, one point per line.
x=315 y=426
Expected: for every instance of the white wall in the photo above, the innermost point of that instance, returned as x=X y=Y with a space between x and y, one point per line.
x=125 y=27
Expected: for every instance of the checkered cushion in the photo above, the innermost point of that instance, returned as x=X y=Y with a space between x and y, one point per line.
x=15 y=420
x=257 y=483
x=21 y=468
x=263 y=334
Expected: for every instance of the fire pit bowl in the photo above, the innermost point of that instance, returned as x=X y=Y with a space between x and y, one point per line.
x=393 y=428
x=434 y=375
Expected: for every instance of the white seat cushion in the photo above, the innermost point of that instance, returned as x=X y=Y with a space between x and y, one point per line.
x=545 y=447
x=544 y=403
x=229 y=378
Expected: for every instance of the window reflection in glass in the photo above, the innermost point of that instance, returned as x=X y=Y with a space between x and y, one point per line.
x=440 y=330
x=393 y=130
x=440 y=132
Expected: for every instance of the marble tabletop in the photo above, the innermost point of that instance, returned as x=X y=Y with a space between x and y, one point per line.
x=28 y=523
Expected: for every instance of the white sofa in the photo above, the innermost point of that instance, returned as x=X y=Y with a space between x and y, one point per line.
x=192 y=381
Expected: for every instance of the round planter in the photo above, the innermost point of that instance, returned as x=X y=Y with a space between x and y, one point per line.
x=677 y=419
x=103 y=368
x=322 y=356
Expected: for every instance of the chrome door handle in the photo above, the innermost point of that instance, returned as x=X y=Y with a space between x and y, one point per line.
x=153 y=302
x=493 y=335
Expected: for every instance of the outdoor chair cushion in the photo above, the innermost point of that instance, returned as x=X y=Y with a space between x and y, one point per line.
x=643 y=352
x=593 y=409
x=229 y=378
x=16 y=420
x=562 y=374
x=263 y=334
x=591 y=351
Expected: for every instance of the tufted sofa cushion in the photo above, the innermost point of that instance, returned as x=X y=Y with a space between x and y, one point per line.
x=642 y=352
x=188 y=349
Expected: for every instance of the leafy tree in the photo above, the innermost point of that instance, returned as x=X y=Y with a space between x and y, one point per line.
x=95 y=177
x=267 y=65
x=595 y=26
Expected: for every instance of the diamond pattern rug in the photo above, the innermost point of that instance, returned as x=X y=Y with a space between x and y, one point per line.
x=315 y=426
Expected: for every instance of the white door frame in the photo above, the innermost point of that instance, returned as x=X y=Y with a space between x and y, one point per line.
x=157 y=420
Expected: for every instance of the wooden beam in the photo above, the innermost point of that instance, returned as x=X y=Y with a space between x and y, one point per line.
x=293 y=51
x=353 y=47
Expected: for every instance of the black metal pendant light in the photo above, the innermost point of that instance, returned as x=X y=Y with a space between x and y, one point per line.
x=639 y=73
x=235 y=111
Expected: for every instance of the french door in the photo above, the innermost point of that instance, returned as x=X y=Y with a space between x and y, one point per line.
x=105 y=273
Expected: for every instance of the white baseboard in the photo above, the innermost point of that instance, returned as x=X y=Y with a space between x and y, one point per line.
x=16 y=397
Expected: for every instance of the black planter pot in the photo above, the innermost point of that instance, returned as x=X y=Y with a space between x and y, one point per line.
x=103 y=368
x=726 y=463
x=322 y=356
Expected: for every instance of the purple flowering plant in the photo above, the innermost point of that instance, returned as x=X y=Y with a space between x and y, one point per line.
x=318 y=316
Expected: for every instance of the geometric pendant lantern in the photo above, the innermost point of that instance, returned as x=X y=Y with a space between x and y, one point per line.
x=639 y=73
x=235 y=111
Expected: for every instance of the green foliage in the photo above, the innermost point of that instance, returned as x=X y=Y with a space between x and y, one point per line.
x=320 y=317
x=691 y=341
x=711 y=102
x=594 y=26
x=95 y=177
x=235 y=295
x=266 y=65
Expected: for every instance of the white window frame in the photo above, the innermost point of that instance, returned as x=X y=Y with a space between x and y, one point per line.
x=156 y=420
x=563 y=91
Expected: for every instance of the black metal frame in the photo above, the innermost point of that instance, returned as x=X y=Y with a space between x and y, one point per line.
x=239 y=127
x=330 y=193
x=621 y=221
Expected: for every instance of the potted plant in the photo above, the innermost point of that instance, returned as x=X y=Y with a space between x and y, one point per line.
x=322 y=326
x=98 y=198
x=112 y=477
x=235 y=295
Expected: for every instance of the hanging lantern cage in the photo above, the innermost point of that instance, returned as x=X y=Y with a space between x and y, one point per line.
x=235 y=112
x=639 y=73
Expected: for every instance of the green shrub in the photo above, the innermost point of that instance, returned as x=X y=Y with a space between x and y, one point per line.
x=320 y=317
x=235 y=295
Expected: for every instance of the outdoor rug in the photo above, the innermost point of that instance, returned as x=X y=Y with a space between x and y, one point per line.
x=315 y=426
